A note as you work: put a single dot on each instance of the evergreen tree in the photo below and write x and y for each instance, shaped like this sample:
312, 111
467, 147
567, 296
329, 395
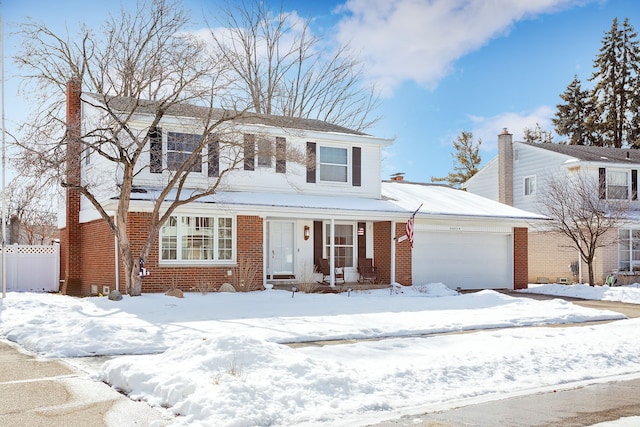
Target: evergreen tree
466, 160
576, 118
615, 77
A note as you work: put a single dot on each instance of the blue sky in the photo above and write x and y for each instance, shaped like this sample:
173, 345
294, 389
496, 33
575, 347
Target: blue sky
443, 66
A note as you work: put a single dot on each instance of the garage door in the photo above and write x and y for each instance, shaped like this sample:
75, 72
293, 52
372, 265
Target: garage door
469, 260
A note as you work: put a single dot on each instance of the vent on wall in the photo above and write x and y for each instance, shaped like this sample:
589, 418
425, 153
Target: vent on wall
94, 289
105, 290
562, 280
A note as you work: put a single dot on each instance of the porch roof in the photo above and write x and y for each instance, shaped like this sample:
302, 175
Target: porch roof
398, 199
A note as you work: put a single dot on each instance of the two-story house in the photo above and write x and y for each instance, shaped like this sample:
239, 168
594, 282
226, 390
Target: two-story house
283, 217
518, 177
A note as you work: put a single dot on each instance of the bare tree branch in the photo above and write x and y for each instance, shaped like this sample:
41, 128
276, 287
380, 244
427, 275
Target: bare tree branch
582, 212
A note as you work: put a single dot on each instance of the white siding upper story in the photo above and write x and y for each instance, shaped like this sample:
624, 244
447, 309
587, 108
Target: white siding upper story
533, 165
485, 182
346, 164
531, 169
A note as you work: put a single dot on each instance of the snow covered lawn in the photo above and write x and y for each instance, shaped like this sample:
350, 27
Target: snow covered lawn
218, 359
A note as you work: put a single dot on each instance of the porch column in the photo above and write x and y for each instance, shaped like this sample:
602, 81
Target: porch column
393, 243
332, 254
265, 253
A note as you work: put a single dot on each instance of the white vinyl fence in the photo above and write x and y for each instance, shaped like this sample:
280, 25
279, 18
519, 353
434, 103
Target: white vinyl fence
33, 268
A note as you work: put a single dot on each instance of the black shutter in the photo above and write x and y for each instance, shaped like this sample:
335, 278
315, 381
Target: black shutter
249, 151
634, 184
362, 240
317, 242
213, 154
155, 150
602, 180
281, 155
356, 167
311, 162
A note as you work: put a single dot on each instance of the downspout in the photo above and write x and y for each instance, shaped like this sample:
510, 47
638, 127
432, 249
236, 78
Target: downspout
117, 262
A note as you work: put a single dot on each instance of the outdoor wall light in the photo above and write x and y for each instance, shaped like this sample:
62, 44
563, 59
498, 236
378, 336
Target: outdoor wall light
307, 232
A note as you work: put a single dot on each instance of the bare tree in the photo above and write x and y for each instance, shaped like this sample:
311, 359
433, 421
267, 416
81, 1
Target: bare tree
282, 68
581, 211
141, 63
33, 205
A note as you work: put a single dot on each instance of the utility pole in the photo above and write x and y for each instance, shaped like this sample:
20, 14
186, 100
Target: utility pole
4, 167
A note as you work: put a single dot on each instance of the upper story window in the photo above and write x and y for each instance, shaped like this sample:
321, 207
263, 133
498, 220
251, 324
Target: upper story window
259, 151
530, 185
333, 164
264, 153
197, 238
179, 147
617, 184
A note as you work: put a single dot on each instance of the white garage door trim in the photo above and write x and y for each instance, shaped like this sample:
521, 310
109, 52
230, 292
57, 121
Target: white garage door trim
465, 259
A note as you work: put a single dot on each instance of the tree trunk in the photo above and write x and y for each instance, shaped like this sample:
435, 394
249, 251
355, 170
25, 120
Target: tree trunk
590, 268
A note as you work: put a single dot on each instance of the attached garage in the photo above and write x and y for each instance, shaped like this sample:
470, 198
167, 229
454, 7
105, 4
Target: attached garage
465, 257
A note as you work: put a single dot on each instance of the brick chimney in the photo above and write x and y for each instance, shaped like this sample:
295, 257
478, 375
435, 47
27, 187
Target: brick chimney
71, 244
505, 167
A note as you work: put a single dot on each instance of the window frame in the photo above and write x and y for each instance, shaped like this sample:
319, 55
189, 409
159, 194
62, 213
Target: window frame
627, 186
328, 164
326, 243
173, 166
216, 237
529, 185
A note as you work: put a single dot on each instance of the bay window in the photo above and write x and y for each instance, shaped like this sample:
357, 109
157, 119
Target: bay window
197, 238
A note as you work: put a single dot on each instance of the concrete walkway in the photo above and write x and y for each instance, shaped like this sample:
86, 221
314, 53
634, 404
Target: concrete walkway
49, 393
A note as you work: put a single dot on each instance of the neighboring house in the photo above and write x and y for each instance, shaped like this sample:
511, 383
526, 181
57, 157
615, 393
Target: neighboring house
517, 177
281, 217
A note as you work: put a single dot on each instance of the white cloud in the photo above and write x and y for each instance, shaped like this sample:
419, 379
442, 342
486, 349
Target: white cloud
488, 128
420, 40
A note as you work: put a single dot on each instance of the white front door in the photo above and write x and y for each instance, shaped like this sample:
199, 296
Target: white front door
281, 247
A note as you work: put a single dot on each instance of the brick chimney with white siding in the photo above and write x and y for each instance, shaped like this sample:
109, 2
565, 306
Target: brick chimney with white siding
505, 167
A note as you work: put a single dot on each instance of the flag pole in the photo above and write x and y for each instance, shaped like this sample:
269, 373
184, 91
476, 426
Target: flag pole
416, 211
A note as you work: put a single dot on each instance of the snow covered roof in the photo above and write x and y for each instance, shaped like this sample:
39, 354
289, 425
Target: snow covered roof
398, 199
441, 200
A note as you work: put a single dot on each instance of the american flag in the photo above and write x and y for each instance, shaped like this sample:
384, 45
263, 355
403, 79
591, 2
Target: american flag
409, 229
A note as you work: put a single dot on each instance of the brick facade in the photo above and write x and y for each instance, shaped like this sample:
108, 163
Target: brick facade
98, 266
382, 250
404, 272
551, 254
520, 258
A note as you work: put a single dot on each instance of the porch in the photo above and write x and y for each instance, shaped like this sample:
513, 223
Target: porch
323, 288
